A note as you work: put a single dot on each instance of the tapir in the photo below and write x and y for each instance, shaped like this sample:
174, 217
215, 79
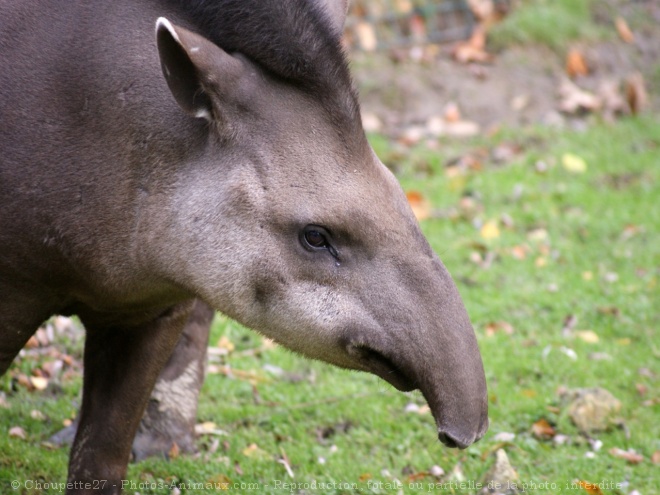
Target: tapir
221, 160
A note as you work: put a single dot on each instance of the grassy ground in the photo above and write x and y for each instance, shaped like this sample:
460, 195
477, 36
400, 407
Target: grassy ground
530, 242
552, 23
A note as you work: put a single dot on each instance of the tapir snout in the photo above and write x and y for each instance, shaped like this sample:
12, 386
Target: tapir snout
425, 341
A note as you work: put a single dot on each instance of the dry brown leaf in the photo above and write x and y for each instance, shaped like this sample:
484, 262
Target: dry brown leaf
474, 49
452, 113
636, 93
365, 476
624, 30
417, 476
32, 343
543, 430
629, 455
174, 451
590, 488
575, 63
421, 206
499, 326
573, 99
655, 457
418, 28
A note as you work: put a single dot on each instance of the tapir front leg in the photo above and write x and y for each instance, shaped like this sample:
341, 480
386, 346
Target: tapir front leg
171, 412
121, 367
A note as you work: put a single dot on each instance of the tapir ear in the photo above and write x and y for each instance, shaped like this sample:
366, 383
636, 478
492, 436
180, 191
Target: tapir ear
336, 10
196, 70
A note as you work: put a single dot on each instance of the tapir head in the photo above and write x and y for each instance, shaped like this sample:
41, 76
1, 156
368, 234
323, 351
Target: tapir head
288, 222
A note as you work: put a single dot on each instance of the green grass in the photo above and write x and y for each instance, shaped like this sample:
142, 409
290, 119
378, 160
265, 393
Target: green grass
336, 426
552, 23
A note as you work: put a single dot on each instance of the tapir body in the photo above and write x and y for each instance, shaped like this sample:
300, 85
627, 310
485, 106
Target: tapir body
221, 159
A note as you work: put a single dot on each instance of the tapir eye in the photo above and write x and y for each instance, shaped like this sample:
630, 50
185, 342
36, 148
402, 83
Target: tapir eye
314, 237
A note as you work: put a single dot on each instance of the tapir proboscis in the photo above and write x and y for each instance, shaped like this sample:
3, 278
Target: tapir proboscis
221, 160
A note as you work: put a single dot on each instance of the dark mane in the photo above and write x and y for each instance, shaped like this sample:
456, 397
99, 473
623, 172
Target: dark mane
292, 39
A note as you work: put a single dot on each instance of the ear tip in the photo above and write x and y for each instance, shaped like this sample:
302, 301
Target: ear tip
164, 23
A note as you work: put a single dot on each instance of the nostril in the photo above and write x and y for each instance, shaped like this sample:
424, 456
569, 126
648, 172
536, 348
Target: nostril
447, 440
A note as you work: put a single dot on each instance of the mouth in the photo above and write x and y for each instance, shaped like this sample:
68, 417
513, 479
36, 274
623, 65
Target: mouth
380, 365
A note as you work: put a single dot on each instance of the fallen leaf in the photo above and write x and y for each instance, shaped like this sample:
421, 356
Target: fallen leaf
38, 415
588, 336
421, 206
540, 262
655, 457
417, 476
590, 488
490, 230
573, 99
417, 28
225, 343
636, 93
519, 252
624, 30
452, 113
498, 326
473, 50
221, 480
629, 455
612, 101
371, 122
208, 428
251, 450
404, 6
365, 476
174, 451
573, 163
575, 63
39, 382
543, 430
366, 36
537, 235
17, 432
